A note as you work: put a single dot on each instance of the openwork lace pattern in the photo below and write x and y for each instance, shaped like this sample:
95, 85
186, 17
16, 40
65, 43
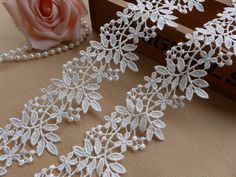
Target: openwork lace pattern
77, 91
140, 121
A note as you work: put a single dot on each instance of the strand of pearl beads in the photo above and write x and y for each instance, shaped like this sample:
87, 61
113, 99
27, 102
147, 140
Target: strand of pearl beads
23, 53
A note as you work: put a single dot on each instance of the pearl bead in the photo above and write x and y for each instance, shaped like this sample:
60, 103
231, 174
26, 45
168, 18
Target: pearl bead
99, 133
24, 48
45, 54
31, 56
38, 55
77, 43
4, 56
17, 57
11, 52
24, 57
143, 146
71, 45
52, 52
135, 148
18, 50
70, 119
81, 39
65, 48
229, 62
58, 50
221, 64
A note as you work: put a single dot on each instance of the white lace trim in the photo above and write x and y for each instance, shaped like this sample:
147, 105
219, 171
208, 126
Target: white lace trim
34, 131
130, 126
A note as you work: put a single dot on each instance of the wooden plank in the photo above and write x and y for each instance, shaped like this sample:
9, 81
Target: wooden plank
120, 3
226, 2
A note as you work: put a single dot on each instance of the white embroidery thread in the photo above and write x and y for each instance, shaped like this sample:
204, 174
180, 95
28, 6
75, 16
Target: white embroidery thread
35, 131
140, 120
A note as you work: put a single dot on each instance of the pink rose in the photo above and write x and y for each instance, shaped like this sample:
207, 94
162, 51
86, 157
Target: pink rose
46, 23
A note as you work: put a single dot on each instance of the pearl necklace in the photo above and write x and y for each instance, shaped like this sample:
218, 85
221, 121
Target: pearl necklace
25, 52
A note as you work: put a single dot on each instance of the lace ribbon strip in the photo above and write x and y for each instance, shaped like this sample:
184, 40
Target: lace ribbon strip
131, 126
77, 91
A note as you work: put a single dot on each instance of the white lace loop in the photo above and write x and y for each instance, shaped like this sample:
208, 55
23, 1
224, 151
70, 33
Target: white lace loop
130, 126
35, 131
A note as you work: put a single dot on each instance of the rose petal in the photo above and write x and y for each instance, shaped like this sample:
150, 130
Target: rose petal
45, 28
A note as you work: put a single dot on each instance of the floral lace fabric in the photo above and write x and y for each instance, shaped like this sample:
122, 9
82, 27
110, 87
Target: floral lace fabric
140, 120
77, 91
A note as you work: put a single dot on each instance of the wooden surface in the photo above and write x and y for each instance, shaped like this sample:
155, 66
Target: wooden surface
200, 139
